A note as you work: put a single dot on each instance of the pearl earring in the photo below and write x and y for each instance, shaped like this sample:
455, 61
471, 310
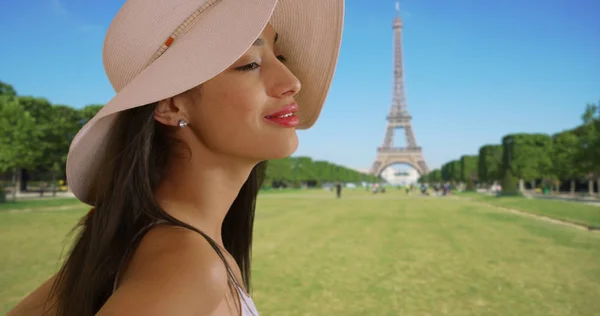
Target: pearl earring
183, 123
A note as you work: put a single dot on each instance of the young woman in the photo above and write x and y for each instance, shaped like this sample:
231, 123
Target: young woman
207, 91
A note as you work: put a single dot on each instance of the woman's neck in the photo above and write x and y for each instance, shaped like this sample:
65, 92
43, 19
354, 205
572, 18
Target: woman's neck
200, 192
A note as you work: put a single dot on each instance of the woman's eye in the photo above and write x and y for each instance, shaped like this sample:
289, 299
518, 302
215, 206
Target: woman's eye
250, 66
254, 65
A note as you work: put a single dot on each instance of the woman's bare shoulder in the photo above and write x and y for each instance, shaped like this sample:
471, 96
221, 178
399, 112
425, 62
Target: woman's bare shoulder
174, 271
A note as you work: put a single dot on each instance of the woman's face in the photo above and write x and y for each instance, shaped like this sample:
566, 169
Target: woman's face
236, 112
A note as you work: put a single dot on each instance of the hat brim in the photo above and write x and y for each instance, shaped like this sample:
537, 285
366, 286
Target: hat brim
309, 36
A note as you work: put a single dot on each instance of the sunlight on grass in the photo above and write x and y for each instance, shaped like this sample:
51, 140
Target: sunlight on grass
364, 254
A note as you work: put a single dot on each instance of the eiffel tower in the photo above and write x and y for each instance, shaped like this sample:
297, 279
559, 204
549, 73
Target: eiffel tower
399, 118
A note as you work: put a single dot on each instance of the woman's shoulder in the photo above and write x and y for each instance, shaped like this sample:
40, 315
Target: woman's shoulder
173, 271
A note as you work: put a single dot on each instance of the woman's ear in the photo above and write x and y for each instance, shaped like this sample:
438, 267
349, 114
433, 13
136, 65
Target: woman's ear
168, 113
172, 110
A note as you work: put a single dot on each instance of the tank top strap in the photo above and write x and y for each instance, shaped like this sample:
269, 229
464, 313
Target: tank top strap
248, 306
130, 248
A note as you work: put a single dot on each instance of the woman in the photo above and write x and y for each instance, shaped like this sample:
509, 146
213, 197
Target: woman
206, 92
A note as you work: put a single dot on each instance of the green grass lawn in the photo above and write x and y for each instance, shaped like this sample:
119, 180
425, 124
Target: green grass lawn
386, 254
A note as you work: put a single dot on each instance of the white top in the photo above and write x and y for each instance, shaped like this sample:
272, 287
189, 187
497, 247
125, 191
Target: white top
248, 307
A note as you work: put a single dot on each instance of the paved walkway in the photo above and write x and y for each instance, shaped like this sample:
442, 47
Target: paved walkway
36, 195
561, 197
44, 209
531, 215
566, 198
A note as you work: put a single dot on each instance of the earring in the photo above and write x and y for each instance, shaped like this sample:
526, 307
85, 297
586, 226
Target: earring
182, 123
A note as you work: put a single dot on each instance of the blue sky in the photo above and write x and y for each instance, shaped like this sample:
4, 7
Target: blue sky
475, 70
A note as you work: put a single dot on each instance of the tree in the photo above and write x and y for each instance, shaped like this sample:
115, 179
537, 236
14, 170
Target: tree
321, 170
434, 176
444, 171
468, 170
490, 163
279, 170
88, 112
296, 170
19, 138
7, 90
65, 123
303, 169
565, 151
528, 156
572, 154
57, 125
455, 171
589, 155
40, 111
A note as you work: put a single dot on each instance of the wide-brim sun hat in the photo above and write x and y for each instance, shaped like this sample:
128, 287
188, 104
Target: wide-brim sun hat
156, 49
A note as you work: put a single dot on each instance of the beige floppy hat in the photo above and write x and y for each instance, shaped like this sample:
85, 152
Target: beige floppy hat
156, 49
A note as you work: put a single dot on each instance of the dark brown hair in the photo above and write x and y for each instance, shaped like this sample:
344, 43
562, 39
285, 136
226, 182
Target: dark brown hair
137, 157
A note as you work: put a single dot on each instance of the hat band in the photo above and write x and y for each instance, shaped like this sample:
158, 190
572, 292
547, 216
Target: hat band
183, 27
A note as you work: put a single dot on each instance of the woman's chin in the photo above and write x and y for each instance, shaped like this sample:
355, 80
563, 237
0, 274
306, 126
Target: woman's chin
282, 148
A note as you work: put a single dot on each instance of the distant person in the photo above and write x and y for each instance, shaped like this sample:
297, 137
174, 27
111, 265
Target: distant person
446, 188
172, 164
338, 190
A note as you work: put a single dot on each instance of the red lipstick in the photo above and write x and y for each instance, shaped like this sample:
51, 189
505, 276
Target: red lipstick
285, 117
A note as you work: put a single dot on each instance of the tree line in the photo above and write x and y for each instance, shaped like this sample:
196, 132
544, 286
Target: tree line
297, 171
35, 135
534, 160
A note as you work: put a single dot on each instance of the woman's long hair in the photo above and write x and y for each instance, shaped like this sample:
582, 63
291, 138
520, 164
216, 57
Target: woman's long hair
138, 153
